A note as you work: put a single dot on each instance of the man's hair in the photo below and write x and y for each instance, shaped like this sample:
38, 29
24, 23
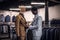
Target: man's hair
33, 9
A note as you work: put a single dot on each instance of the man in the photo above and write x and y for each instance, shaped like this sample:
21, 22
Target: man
20, 26
36, 25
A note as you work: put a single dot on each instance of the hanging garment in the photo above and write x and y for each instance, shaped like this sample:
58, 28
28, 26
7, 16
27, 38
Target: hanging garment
43, 34
1, 29
7, 18
59, 33
48, 34
13, 19
52, 32
5, 29
57, 30
2, 19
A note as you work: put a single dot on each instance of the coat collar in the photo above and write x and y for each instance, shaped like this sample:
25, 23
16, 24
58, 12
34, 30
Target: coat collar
35, 17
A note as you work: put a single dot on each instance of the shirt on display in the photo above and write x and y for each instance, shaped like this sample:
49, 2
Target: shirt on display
1, 18
13, 19
7, 18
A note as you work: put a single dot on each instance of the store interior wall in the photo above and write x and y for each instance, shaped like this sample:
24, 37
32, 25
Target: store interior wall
54, 13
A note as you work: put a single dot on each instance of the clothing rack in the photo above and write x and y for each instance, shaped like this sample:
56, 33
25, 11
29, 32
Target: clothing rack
50, 33
5, 24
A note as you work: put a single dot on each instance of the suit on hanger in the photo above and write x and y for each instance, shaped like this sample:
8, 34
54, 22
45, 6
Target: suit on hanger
2, 18
7, 18
43, 34
57, 30
13, 19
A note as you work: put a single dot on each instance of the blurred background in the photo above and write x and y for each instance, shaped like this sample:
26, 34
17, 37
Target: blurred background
49, 10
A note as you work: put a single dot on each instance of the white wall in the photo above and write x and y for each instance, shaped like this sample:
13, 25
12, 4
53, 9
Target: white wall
41, 12
29, 16
54, 12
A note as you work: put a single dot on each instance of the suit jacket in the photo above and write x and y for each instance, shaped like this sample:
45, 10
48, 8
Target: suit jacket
20, 25
43, 34
13, 19
2, 18
7, 18
37, 26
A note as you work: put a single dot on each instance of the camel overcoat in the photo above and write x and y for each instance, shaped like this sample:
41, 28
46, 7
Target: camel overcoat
20, 25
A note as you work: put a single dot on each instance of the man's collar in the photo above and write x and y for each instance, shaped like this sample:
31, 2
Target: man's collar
36, 15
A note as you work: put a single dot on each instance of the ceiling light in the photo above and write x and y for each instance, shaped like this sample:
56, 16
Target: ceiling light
39, 3
14, 9
26, 6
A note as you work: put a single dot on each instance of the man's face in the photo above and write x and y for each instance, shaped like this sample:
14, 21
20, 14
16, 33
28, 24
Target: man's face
21, 13
34, 12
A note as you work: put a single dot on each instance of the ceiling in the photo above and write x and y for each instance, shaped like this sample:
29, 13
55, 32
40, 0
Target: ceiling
6, 4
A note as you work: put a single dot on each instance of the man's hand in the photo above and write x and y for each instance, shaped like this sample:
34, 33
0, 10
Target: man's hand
33, 27
26, 26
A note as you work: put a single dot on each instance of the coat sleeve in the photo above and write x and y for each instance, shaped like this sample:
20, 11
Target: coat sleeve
39, 24
17, 25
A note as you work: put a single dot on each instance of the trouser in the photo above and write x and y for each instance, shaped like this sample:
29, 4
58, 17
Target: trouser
20, 38
36, 38
29, 34
26, 33
32, 37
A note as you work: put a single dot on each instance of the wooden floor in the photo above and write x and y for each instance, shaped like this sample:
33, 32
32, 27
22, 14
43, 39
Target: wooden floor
5, 39
5, 35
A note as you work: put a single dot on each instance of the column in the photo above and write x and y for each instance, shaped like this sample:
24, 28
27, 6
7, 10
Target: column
46, 13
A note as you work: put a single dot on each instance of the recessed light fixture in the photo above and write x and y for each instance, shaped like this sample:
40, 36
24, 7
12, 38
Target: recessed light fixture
39, 3
14, 9
26, 6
